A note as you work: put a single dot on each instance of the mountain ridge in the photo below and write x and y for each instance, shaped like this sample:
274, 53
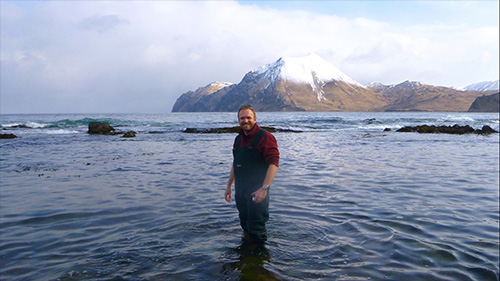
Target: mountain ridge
483, 86
312, 84
417, 96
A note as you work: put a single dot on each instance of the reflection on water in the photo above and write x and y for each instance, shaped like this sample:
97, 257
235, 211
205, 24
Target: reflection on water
247, 262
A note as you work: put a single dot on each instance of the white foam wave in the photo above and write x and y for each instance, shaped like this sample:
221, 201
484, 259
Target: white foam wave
35, 125
60, 132
9, 125
452, 118
29, 124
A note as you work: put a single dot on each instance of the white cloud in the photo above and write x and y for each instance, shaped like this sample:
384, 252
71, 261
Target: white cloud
93, 56
156, 54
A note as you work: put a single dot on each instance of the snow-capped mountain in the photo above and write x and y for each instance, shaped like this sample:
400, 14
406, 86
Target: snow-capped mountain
307, 83
483, 86
311, 83
309, 69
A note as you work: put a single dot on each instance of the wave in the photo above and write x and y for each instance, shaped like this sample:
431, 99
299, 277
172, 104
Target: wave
453, 118
61, 132
64, 123
84, 122
307, 122
27, 125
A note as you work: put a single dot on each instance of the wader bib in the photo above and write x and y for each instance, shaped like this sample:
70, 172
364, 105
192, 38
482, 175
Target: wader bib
250, 171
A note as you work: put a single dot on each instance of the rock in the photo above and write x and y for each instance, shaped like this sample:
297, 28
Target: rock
486, 130
387, 129
235, 129
7, 136
21, 126
455, 129
99, 128
213, 130
372, 121
407, 129
129, 134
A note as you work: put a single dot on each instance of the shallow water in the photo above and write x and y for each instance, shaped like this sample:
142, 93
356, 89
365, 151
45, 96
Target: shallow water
349, 202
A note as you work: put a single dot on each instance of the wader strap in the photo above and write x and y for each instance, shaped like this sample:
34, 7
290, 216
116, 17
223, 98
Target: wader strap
255, 140
257, 137
238, 141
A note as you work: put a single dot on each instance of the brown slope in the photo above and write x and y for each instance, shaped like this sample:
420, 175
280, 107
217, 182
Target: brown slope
417, 96
282, 95
195, 101
334, 96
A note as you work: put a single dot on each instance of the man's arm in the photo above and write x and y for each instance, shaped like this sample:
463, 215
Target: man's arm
227, 194
261, 193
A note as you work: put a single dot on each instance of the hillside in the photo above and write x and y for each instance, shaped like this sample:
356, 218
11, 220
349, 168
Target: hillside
486, 103
416, 96
312, 84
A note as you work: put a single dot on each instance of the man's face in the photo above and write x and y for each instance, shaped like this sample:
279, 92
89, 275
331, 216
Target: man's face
247, 119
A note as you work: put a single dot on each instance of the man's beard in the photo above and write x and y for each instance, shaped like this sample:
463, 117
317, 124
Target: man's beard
247, 125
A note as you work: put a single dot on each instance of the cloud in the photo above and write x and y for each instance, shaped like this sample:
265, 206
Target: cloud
96, 56
102, 24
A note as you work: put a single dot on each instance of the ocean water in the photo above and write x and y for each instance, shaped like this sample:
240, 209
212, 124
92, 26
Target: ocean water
349, 201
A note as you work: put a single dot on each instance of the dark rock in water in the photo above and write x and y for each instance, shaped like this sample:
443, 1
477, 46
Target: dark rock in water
235, 129
455, 129
7, 136
99, 128
129, 134
407, 129
387, 129
372, 121
21, 126
212, 130
486, 130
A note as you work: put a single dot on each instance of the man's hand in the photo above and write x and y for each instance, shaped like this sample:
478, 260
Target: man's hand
259, 195
227, 194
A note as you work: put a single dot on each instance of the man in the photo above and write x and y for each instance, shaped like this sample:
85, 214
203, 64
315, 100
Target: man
256, 160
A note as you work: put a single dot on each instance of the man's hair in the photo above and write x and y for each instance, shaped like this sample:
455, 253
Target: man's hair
243, 107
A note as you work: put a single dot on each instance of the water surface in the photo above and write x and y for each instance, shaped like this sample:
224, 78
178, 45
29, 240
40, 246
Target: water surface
349, 202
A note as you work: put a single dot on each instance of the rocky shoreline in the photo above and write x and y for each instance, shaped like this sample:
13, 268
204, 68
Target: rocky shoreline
234, 129
102, 128
455, 130
423, 129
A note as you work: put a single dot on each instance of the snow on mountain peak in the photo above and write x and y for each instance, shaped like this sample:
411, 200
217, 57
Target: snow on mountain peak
306, 69
303, 69
221, 84
483, 86
213, 87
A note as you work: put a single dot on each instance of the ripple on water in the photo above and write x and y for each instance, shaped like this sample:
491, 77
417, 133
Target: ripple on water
343, 207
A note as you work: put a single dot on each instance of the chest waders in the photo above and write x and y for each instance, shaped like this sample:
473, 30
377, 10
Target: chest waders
250, 170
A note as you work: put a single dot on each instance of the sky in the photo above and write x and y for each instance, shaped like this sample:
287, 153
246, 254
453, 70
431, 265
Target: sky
140, 56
